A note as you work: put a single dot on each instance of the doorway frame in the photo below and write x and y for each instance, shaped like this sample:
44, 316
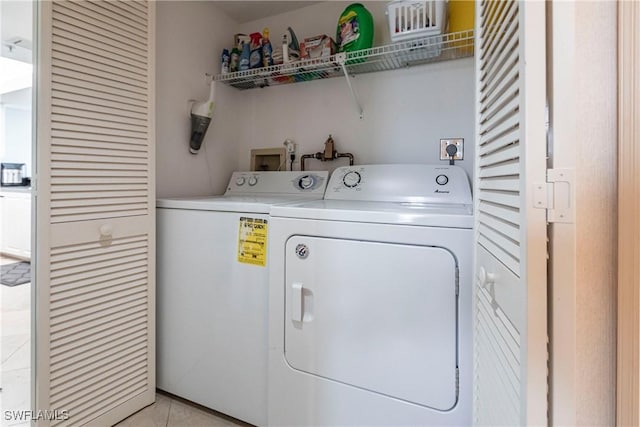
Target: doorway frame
628, 365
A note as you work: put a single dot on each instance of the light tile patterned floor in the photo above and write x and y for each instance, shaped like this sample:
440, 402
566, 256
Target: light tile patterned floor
172, 412
15, 348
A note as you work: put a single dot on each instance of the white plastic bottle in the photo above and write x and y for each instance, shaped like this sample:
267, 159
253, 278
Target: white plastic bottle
285, 48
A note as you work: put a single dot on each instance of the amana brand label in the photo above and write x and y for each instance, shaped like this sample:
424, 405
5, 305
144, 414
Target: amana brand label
252, 241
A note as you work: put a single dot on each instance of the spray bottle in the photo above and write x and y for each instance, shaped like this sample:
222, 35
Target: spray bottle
285, 48
201, 113
290, 46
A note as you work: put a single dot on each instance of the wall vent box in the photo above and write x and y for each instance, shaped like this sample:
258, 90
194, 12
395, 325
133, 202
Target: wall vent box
268, 159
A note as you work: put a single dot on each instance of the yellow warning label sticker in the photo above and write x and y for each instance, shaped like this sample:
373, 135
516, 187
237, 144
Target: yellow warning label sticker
252, 241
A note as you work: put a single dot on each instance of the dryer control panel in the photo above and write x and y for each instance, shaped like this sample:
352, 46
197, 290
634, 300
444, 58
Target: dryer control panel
404, 183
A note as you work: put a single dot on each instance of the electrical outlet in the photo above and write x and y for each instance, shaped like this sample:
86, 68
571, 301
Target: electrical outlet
444, 143
291, 146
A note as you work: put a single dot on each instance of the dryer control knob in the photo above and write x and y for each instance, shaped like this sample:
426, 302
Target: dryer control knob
240, 180
351, 179
253, 181
306, 182
442, 179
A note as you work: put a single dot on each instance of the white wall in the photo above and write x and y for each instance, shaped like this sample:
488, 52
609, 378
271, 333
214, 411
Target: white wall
406, 112
190, 38
16, 23
596, 228
583, 258
15, 128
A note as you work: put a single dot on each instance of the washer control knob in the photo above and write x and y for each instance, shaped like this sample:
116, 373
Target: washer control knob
240, 180
306, 182
253, 180
442, 179
351, 179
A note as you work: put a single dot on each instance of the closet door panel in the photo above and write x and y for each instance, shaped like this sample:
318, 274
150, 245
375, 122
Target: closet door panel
510, 312
95, 197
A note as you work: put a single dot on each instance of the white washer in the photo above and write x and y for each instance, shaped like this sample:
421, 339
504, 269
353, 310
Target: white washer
370, 300
212, 291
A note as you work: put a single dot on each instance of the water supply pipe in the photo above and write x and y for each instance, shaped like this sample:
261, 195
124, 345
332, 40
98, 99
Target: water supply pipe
328, 154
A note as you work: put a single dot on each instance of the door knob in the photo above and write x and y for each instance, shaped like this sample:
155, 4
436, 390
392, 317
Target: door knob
486, 278
106, 230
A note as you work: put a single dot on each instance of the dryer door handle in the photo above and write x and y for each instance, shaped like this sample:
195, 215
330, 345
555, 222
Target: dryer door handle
301, 303
297, 307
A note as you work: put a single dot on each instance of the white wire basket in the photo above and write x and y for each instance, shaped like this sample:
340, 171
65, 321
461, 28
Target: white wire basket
409, 19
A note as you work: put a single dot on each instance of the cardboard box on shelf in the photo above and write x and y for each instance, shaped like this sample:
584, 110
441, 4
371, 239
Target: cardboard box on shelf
239, 40
317, 47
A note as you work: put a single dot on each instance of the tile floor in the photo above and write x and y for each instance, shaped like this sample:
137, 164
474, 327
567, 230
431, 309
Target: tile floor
15, 348
174, 412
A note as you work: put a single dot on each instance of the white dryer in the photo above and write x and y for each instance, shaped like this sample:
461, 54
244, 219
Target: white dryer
212, 290
370, 301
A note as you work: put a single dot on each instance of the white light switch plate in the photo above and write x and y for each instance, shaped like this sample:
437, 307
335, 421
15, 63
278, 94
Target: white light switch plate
444, 143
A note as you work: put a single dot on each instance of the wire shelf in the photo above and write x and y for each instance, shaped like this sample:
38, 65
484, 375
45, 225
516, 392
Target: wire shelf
383, 58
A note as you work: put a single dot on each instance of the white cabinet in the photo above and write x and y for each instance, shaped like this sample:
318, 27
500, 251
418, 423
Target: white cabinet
15, 220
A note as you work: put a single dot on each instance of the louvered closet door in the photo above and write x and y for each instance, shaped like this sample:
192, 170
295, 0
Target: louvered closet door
510, 328
95, 211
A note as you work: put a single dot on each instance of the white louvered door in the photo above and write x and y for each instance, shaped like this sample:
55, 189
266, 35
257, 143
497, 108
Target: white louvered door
95, 205
510, 289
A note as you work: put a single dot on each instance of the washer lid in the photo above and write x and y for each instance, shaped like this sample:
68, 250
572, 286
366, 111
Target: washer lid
249, 204
422, 214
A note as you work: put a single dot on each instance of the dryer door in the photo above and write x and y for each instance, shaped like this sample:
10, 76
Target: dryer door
377, 316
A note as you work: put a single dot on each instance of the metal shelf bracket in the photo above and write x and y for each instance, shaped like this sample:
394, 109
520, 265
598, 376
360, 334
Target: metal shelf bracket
341, 58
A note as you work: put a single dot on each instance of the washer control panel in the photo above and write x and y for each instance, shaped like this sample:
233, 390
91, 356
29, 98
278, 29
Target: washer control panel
307, 182
285, 182
408, 183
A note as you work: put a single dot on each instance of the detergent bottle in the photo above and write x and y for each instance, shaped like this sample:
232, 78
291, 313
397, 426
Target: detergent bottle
243, 65
355, 29
255, 58
226, 57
